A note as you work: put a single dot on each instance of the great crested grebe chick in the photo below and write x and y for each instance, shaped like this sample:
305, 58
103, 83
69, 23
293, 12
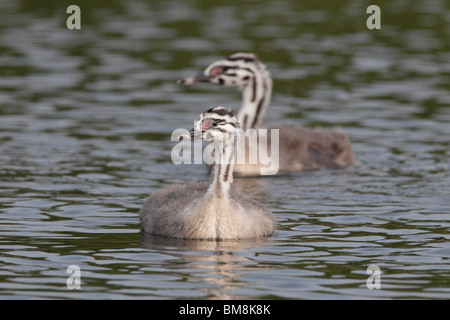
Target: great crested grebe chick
208, 210
300, 149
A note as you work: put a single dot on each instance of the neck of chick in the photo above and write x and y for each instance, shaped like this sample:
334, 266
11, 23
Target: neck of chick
224, 158
255, 99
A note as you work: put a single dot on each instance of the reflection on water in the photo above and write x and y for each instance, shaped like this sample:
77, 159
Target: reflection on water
85, 123
217, 264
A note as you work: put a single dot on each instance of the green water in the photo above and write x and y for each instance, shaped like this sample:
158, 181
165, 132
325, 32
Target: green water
85, 123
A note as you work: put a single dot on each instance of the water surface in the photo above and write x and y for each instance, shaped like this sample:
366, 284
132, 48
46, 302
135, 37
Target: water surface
85, 123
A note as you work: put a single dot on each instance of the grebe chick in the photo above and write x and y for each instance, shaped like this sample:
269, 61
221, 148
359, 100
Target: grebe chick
208, 211
300, 149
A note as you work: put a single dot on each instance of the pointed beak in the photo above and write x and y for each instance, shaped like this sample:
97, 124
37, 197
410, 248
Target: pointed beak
191, 134
191, 80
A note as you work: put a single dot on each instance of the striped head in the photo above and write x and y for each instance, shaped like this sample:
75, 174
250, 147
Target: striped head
238, 70
215, 124
245, 72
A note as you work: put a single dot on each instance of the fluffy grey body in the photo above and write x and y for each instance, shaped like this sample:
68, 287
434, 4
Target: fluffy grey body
211, 210
184, 211
311, 149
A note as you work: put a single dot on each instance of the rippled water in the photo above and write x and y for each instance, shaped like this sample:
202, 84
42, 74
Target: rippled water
85, 123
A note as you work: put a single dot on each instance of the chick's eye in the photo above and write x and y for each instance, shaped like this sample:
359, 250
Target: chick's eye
214, 124
216, 71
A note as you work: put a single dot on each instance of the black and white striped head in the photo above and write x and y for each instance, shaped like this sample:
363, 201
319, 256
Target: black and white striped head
213, 124
238, 70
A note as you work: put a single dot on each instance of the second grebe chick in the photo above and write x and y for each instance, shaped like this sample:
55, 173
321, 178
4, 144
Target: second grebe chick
300, 149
